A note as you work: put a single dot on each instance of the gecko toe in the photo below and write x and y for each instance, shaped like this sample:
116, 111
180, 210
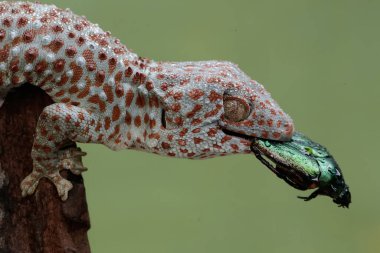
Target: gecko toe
29, 184
71, 159
62, 185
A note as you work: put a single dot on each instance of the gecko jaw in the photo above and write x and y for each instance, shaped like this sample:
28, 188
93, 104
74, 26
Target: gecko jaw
238, 135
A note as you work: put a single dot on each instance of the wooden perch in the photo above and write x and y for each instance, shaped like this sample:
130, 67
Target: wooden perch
41, 222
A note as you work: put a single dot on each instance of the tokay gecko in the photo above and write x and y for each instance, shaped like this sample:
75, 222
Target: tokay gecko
106, 94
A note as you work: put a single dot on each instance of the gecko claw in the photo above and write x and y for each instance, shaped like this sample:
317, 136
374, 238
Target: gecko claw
71, 159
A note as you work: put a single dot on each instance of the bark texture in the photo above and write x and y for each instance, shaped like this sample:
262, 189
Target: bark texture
41, 222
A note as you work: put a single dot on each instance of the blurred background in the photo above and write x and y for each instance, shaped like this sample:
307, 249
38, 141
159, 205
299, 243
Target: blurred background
320, 61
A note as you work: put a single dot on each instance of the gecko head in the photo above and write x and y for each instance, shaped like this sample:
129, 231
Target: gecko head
213, 108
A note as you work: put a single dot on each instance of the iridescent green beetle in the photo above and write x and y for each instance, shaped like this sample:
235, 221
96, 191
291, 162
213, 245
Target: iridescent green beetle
304, 165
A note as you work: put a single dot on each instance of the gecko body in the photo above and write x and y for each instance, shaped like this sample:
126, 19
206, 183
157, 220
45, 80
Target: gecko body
106, 94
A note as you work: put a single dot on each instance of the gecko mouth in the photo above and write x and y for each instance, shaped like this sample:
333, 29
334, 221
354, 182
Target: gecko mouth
242, 136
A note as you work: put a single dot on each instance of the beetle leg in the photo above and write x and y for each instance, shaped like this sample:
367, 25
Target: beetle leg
313, 195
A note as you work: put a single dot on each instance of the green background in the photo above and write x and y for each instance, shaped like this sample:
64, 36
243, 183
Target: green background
320, 61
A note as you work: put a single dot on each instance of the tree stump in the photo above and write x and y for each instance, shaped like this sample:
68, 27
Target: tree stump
41, 222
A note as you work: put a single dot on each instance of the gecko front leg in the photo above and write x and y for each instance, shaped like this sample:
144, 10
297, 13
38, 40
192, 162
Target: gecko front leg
57, 124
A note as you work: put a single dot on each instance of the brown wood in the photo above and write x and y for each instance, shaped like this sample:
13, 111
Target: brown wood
41, 222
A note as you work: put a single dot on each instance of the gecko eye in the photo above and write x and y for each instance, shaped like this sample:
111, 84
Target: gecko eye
235, 109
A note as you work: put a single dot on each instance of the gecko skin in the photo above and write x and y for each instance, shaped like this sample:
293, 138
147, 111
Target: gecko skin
106, 94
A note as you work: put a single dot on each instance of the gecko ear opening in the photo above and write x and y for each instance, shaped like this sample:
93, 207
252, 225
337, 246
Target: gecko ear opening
163, 118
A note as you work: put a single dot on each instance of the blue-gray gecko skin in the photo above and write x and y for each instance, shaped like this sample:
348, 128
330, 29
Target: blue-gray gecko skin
106, 94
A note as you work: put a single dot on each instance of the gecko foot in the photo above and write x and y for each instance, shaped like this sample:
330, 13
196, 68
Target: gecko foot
69, 158
30, 183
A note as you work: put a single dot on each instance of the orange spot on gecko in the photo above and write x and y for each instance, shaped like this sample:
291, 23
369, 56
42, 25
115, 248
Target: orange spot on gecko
182, 142
118, 77
115, 113
152, 123
197, 140
137, 121
146, 118
30, 54
128, 72
59, 65
28, 36
41, 67
196, 94
71, 51
112, 65
140, 100
99, 78
55, 45
77, 72
119, 90
59, 93
196, 108
196, 122
226, 138
108, 91
165, 145
129, 97
183, 132
95, 99
212, 132
276, 135
107, 123
22, 21
214, 96
73, 89
86, 89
